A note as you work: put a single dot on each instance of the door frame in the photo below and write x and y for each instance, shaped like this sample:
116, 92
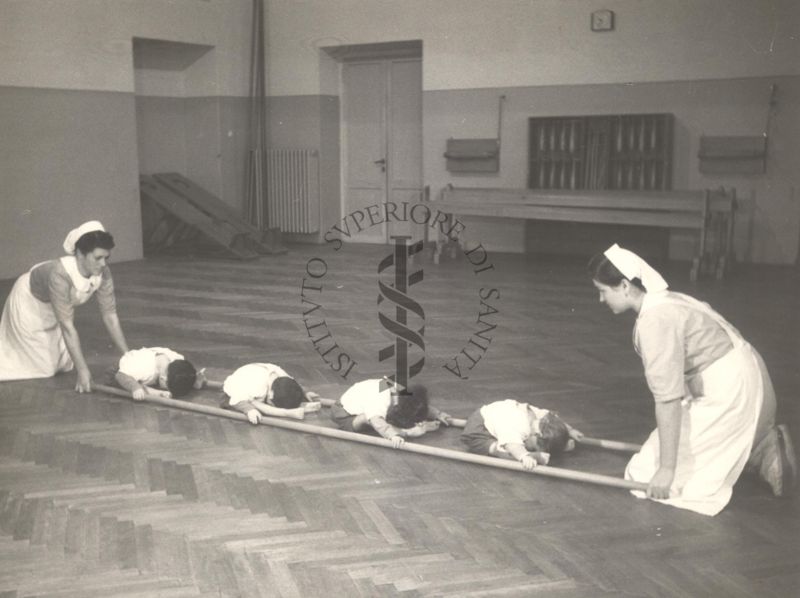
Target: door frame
372, 52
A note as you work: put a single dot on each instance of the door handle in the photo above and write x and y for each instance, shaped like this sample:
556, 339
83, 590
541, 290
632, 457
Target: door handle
382, 162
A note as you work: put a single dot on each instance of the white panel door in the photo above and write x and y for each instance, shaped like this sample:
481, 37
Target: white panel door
405, 140
382, 121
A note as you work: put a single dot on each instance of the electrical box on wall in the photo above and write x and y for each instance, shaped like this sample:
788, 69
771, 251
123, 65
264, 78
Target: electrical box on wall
473, 155
602, 20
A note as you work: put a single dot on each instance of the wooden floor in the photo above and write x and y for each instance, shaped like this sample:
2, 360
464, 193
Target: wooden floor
102, 497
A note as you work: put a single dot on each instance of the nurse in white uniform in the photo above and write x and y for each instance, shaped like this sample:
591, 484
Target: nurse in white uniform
38, 337
714, 401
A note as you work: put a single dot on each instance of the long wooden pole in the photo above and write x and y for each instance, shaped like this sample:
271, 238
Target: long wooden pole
613, 445
422, 449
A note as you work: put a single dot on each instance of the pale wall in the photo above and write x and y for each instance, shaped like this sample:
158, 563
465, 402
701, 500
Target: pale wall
769, 217
87, 44
544, 57
508, 43
68, 151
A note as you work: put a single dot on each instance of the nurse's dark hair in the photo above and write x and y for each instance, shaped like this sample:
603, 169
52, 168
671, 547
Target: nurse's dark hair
90, 241
604, 271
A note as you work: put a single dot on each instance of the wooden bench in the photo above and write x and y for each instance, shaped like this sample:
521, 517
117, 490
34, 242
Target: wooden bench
708, 212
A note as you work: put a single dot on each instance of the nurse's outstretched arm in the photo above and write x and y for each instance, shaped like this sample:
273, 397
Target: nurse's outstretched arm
73, 342
668, 419
111, 320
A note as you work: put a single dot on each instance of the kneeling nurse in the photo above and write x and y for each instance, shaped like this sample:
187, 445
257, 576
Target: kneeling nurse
38, 337
714, 401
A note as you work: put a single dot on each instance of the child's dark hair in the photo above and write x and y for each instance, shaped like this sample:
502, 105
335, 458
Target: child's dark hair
287, 393
553, 434
180, 377
410, 408
90, 241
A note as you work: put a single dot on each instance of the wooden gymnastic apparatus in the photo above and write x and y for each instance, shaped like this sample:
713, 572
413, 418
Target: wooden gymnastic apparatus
709, 213
422, 449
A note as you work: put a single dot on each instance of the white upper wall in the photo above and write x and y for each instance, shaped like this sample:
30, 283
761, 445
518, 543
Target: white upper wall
88, 44
507, 43
197, 79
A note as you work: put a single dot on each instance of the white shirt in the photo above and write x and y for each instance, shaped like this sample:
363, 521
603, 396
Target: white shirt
510, 421
371, 398
252, 382
140, 364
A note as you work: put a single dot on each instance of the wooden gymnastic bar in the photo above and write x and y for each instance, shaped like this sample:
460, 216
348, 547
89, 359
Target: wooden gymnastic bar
666, 209
613, 445
422, 449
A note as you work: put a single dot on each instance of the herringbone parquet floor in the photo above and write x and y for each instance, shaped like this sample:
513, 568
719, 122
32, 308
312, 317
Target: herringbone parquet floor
103, 497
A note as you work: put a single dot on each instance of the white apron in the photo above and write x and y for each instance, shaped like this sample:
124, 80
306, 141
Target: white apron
31, 342
718, 425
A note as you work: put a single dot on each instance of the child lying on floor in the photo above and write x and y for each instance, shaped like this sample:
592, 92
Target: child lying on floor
513, 430
367, 406
258, 389
140, 370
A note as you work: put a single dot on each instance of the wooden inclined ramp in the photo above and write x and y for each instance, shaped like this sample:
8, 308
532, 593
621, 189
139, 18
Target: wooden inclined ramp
265, 242
202, 212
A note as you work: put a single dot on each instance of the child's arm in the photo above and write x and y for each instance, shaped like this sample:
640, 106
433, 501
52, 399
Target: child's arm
254, 409
574, 432
266, 409
518, 452
312, 402
439, 415
396, 435
138, 390
200, 379
574, 436
310, 406
249, 409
